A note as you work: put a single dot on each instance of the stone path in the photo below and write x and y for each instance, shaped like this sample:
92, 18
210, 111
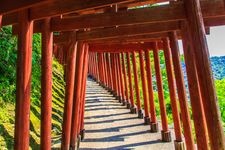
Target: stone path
110, 126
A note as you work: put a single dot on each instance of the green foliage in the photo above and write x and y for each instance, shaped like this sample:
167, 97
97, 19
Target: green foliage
8, 50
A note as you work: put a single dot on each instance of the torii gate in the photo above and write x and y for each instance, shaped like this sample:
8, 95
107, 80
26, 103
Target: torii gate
188, 17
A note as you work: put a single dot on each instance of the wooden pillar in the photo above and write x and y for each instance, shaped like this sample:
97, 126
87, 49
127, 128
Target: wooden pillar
154, 124
96, 67
118, 77
144, 87
131, 98
121, 78
83, 92
0, 21
140, 113
206, 81
77, 95
46, 85
183, 102
125, 80
23, 82
114, 74
69, 93
194, 90
165, 130
109, 71
104, 68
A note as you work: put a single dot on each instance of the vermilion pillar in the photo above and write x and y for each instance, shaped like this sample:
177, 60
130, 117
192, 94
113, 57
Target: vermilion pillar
105, 70
144, 87
121, 79
109, 72
0, 21
77, 95
125, 80
194, 90
173, 99
69, 92
46, 85
165, 130
23, 82
154, 124
140, 113
83, 92
114, 74
96, 67
205, 77
118, 77
131, 104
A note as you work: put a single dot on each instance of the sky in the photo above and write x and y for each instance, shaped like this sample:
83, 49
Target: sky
216, 41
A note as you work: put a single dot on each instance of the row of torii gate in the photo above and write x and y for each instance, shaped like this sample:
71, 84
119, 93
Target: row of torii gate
97, 38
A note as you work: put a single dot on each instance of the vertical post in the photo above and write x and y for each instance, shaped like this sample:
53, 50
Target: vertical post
114, 74
23, 82
206, 82
131, 104
83, 92
46, 85
144, 87
104, 70
121, 78
194, 90
109, 70
77, 96
69, 91
183, 102
153, 124
125, 80
118, 77
140, 113
166, 136
0, 21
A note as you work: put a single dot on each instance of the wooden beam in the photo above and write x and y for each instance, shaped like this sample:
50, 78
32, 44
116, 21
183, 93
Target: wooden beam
0, 21
136, 38
127, 31
59, 7
123, 47
7, 6
164, 13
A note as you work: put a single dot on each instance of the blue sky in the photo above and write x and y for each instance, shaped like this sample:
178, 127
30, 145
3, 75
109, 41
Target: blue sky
216, 41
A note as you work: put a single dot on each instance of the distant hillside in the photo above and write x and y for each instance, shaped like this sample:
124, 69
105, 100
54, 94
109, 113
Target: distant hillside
218, 67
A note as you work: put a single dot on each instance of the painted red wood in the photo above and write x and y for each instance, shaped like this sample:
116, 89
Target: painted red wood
136, 81
131, 98
206, 82
77, 94
119, 92
194, 90
160, 88
46, 85
23, 82
144, 86
83, 89
150, 87
121, 77
125, 77
0, 21
69, 93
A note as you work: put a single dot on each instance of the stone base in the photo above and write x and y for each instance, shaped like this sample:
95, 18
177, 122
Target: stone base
120, 99
133, 110
140, 114
179, 145
147, 120
166, 136
154, 127
124, 103
82, 134
128, 105
77, 144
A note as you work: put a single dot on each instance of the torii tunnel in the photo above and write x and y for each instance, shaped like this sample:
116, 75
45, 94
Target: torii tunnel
102, 40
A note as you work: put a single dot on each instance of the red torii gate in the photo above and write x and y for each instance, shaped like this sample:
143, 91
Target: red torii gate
189, 21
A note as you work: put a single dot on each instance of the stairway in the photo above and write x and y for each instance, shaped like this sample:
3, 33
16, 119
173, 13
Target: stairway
109, 125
